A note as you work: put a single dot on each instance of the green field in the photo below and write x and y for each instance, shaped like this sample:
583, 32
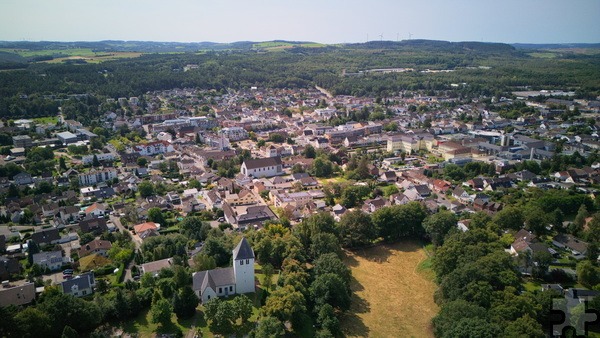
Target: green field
543, 55
61, 55
278, 45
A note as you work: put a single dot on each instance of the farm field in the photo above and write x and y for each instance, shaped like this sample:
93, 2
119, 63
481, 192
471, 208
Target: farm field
393, 292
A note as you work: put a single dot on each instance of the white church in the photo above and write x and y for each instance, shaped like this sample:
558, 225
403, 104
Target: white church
227, 281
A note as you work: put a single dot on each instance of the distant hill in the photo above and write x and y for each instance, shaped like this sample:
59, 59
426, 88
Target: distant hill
555, 45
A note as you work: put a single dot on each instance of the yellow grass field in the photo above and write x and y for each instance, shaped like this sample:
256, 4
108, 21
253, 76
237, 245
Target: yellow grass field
393, 292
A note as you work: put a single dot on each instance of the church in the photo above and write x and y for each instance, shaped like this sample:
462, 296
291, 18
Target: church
227, 281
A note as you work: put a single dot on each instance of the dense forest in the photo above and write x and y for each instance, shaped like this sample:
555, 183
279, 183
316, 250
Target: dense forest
485, 69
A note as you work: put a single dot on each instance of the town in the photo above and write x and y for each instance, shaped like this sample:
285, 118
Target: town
203, 194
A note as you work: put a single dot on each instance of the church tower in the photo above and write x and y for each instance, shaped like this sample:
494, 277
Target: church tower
243, 267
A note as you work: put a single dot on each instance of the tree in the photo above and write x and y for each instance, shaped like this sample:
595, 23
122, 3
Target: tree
146, 189
203, 262
141, 161
509, 218
438, 225
454, 311
331, 263
309, 152
185, 302
268, 271
327, 320
269, 327
161, 312
155, 215
193, 227
322, 167
524, 327
356, 229
215, 248
323, 243
582, 214
536, 221
543, 259
285, 303
330, 288
95, 161
221, 315
69, 332
62, 164
32, 322
242, 306
400, 221
587, 274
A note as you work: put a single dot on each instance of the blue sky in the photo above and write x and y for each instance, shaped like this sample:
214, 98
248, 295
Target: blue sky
326, 21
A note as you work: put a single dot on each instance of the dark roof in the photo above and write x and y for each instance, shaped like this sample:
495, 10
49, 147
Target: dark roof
262, 162
45, 236
213, 278
83, 281
93, 224
17, 295
243, 250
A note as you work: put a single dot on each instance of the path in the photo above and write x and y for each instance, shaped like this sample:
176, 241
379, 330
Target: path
324, 91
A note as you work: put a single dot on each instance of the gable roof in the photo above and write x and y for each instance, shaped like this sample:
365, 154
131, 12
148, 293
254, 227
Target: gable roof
17, 295
45, 236
144, 227
83, 281
213, 278
262, 162
243, 250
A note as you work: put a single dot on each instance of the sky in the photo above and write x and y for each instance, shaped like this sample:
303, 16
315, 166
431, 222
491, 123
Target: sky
325, 21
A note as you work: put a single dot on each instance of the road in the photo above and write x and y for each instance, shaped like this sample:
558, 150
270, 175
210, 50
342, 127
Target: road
136, 241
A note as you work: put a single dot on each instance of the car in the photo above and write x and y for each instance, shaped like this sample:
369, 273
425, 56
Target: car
221, 219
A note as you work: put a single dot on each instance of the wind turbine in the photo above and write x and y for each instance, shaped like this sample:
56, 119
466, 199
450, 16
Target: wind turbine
381, 36
410, 35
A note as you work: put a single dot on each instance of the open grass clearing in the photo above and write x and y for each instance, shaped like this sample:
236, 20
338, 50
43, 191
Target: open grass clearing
393, 292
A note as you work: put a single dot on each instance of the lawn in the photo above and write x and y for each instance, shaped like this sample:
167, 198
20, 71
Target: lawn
143, 327
393, 292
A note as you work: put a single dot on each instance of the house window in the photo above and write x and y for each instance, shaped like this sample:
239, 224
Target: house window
220, 290
247, 261
242, 262
84, 292
208, 297
231, 289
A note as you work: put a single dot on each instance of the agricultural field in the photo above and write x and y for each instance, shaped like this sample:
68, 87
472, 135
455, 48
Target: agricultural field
279, 45
391, 283
70, 54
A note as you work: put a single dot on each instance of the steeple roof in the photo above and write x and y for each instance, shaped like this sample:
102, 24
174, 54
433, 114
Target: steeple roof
243, 250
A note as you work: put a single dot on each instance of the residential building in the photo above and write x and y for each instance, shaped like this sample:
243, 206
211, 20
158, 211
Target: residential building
53, 260
79, 286
262, 167
17, 295
94, 177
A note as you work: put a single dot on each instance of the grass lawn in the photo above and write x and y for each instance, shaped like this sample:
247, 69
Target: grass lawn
46, 120
393, 292
143, 327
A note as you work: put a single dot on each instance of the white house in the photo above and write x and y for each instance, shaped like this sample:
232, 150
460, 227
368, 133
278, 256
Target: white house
228, 281
79, 286
153, 148
262, 167
89, 159
52, 260
96, 176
